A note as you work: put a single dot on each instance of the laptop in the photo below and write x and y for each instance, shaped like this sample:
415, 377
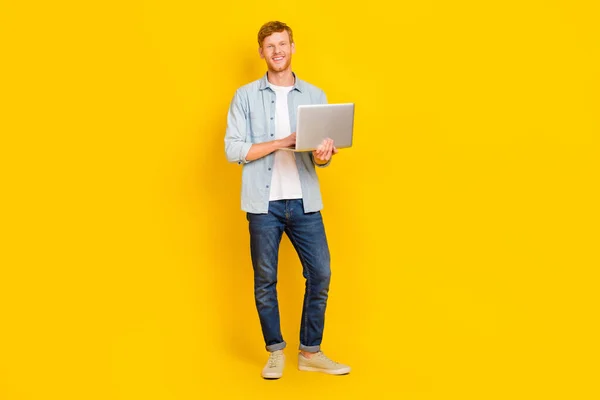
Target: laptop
317, 122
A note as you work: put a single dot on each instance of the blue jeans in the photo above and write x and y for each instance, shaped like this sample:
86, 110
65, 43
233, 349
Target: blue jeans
307, 234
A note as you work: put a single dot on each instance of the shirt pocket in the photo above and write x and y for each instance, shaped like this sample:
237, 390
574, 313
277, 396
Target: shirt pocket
258, 128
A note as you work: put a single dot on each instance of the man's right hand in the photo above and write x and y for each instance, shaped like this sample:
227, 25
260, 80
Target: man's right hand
289, 141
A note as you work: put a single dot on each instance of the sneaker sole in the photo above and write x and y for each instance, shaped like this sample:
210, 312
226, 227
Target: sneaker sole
341, 371
272, 377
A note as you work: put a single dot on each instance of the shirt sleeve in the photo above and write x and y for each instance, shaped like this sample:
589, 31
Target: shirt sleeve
236, 147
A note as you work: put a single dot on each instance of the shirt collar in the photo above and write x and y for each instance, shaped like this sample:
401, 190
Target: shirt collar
298, 84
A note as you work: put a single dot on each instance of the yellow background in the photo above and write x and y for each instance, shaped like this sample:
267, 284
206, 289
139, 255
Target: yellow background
463, 224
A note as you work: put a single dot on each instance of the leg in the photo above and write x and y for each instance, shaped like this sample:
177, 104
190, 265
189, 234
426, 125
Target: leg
266, 231
307, 234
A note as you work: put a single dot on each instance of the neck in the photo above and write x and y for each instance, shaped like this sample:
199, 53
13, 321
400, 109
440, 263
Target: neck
282, 78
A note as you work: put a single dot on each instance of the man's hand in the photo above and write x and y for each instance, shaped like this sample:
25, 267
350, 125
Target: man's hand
288, 141
259, 150
324, 152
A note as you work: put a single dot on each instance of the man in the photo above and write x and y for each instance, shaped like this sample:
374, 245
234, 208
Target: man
280, 193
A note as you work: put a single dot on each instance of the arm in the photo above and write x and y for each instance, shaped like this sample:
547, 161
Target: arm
236, 147
262, 149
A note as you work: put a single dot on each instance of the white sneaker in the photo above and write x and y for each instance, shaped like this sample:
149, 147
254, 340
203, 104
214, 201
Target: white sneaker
321, 363
274, 367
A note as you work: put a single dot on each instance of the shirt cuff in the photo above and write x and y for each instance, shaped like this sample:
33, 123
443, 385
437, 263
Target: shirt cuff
244, 152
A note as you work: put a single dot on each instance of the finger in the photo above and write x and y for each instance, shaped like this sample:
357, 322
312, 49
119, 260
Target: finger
324, 147
329, 150
329, 153
318, 153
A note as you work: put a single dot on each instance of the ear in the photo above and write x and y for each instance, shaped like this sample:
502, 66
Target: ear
260, 52
293, 48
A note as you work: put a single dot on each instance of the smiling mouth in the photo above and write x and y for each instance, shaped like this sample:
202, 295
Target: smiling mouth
276, 59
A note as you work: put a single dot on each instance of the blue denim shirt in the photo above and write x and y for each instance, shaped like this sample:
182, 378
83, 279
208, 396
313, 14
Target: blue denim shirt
251, 119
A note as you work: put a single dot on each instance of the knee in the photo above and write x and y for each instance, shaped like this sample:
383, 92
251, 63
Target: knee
322, 277
265, 280
265, 290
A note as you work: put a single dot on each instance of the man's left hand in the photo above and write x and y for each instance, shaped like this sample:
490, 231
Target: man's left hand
325, 151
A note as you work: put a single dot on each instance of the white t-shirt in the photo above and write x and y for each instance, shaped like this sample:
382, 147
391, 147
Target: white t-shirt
285, 181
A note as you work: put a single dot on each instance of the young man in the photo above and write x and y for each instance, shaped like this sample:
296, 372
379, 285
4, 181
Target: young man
280, 193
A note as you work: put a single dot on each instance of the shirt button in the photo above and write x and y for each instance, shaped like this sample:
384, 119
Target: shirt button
272, 101
271, 118
269, 170
267, 186
271, 134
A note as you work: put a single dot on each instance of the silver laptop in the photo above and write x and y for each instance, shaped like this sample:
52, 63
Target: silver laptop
317, 122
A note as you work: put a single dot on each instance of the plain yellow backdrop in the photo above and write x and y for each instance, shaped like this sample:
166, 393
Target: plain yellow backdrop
463, 224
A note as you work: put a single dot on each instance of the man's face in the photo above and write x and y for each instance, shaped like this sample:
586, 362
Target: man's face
277, 51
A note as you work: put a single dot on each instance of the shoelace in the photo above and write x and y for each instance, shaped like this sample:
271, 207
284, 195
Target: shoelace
327, 359
274, 359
